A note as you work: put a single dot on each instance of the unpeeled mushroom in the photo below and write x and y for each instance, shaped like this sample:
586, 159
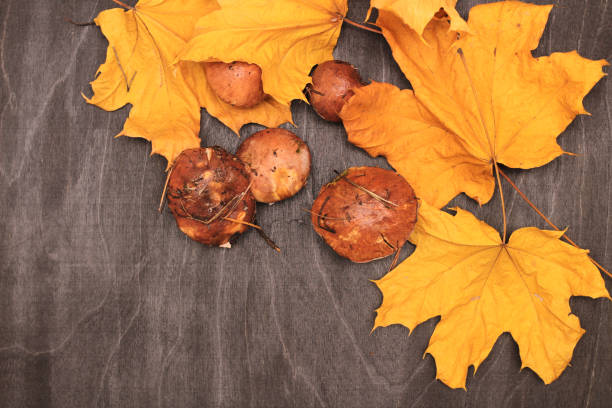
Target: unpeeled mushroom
209, 195
278, 161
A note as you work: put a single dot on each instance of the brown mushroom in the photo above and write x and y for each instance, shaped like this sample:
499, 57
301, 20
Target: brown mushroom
366, 213
278, 161
237, 83
209, 195
331, 86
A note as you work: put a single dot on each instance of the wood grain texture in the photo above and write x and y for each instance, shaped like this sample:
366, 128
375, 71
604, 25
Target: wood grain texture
105, 303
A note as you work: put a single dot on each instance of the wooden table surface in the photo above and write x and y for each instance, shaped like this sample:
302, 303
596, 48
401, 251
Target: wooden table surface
105, 303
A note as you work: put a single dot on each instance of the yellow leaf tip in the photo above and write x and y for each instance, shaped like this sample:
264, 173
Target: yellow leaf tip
88, 100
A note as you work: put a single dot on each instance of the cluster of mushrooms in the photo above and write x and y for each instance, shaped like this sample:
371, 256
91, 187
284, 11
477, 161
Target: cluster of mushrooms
366, 213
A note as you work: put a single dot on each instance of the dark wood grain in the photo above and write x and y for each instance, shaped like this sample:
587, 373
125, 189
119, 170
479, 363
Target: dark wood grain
105, 303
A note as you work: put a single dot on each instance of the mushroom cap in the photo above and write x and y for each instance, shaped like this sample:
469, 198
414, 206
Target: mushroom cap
358, 226
237, 83
206, 185
331, 86
278, 161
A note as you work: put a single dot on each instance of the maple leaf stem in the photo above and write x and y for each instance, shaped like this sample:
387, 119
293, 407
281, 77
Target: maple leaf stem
491, 143
501, 194
122, 4
548, 221
532, 205
362, 26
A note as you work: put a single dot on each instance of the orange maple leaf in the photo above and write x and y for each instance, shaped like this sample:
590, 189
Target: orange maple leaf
416, 14
286, 38
482, 288
480, 98
144, 41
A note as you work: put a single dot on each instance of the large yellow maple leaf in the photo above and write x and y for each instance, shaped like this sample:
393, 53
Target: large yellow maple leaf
144, 41
286, 38
482, 288
384, 120
417, 13
483, 98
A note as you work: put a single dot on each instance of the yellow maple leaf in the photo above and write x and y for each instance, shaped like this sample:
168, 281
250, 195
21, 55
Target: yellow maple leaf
482, 288
144, 41
488, 97
268, 112
284, 37
417, 13
384, 120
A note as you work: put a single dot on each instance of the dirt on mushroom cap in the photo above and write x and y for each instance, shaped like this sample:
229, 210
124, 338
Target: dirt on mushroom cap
331, 86
366, 213
279, 163
237, 83
207, 187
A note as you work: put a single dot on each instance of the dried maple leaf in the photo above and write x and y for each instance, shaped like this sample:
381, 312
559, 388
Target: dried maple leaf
387, 121
284, 37
482, 288
269, 112
483, 99
144, 41
417, 13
